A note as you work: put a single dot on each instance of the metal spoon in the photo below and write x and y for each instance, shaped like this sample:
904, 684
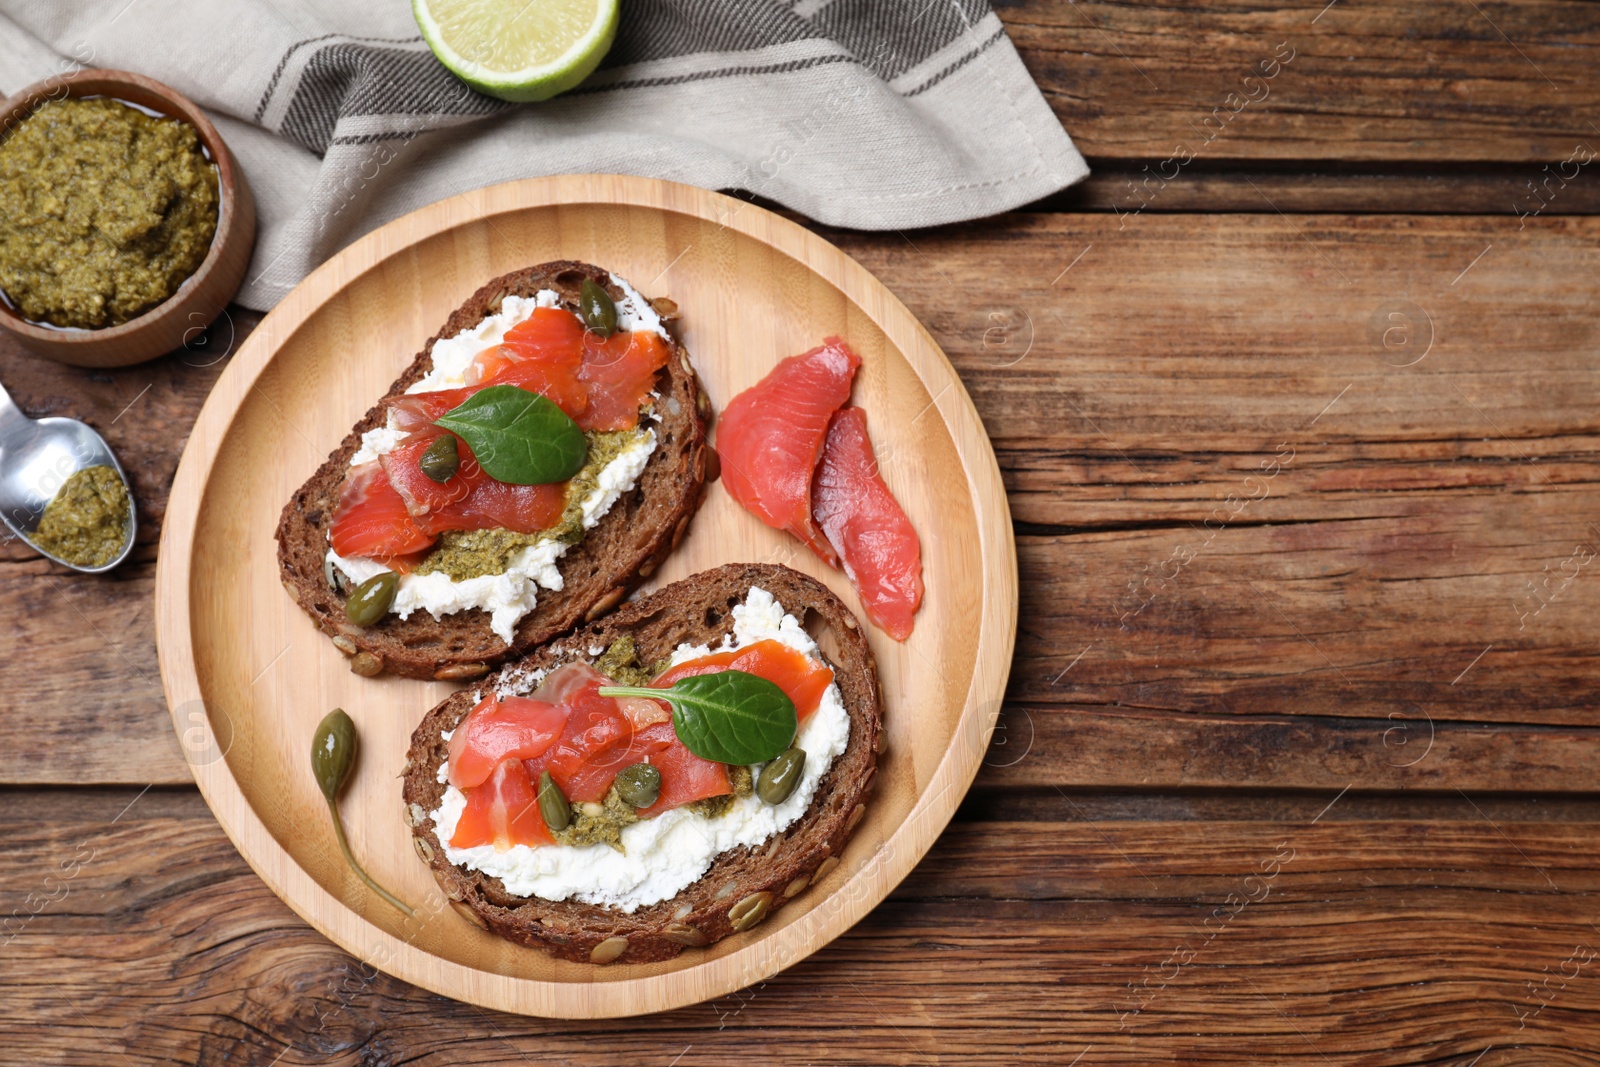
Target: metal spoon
36, 458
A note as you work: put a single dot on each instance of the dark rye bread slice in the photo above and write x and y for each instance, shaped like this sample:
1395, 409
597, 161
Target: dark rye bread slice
621, 550
743, 885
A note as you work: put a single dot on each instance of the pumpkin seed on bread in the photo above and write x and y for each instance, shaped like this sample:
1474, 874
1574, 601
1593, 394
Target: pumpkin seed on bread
612, 558
744, 885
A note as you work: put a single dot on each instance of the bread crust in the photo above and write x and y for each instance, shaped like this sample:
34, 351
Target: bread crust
616, 555
697, 610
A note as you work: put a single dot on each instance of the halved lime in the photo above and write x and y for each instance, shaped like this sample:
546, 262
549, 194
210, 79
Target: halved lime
518, 49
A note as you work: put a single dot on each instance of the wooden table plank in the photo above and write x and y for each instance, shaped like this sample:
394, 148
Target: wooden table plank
1411, 81
1096, 746
1322, 186
1192, 934
1341, 611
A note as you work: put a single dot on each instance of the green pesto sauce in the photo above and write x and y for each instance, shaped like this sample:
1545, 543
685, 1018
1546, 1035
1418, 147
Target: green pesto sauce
604, 446
104, 211
464, 554
86, 522
743, 785
620, 663
594, 824
603, 823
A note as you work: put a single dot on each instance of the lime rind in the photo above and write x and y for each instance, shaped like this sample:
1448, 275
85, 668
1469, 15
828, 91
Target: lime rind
539, 82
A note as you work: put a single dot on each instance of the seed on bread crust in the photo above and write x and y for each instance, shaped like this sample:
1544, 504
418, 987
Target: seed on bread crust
739, 880
461, 672
607, 602
749, 911
608, 950
684, 934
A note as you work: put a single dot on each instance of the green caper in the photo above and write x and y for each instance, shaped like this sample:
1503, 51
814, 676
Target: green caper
333, 753
781, 775
371, 599
440, 460
639, 785
553, 803
596, 308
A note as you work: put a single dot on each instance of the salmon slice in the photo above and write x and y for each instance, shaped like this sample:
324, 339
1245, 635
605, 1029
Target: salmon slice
619, 373
770, 437
600, 384
504, 811
499, 729
423, 495
867, 527
418, 411
371, 519
550, 337
542, 354
583, 740
802, 678
685, 777
469, 499
595, 742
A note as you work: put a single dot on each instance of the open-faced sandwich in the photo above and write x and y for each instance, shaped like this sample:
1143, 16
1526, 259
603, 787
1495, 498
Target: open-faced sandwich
540, 456
662, 778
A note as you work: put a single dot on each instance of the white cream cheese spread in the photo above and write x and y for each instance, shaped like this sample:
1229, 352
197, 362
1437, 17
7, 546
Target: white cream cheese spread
662, 855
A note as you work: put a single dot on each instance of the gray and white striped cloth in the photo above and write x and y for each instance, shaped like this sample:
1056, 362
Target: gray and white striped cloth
869, 114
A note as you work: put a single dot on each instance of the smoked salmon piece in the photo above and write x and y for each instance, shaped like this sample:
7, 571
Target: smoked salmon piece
418, 411
600, 383
583, 739
549, 336
802, 678
469, 499
592, 750
501, 728
619, 373
371, 519
685, 777
867, 527
770, 437
504, 811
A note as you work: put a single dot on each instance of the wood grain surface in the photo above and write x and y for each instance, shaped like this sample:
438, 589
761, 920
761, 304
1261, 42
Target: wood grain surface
1119, 929
1129, 794
1471, 82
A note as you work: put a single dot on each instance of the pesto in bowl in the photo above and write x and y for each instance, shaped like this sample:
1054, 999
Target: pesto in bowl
105, 211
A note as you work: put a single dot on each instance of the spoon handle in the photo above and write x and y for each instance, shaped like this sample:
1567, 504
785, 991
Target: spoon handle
11, 417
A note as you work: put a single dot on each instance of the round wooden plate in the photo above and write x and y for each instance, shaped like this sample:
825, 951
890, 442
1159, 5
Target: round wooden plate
247, 676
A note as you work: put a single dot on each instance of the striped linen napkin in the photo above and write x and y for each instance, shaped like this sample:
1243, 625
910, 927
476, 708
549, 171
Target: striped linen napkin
868, 114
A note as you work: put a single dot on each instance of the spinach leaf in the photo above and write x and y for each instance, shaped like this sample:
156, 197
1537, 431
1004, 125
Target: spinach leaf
518, 437
729, 716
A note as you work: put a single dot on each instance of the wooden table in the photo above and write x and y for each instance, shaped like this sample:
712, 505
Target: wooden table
1302, 437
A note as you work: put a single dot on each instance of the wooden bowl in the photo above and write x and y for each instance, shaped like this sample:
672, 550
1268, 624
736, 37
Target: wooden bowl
204, 293
248, 676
